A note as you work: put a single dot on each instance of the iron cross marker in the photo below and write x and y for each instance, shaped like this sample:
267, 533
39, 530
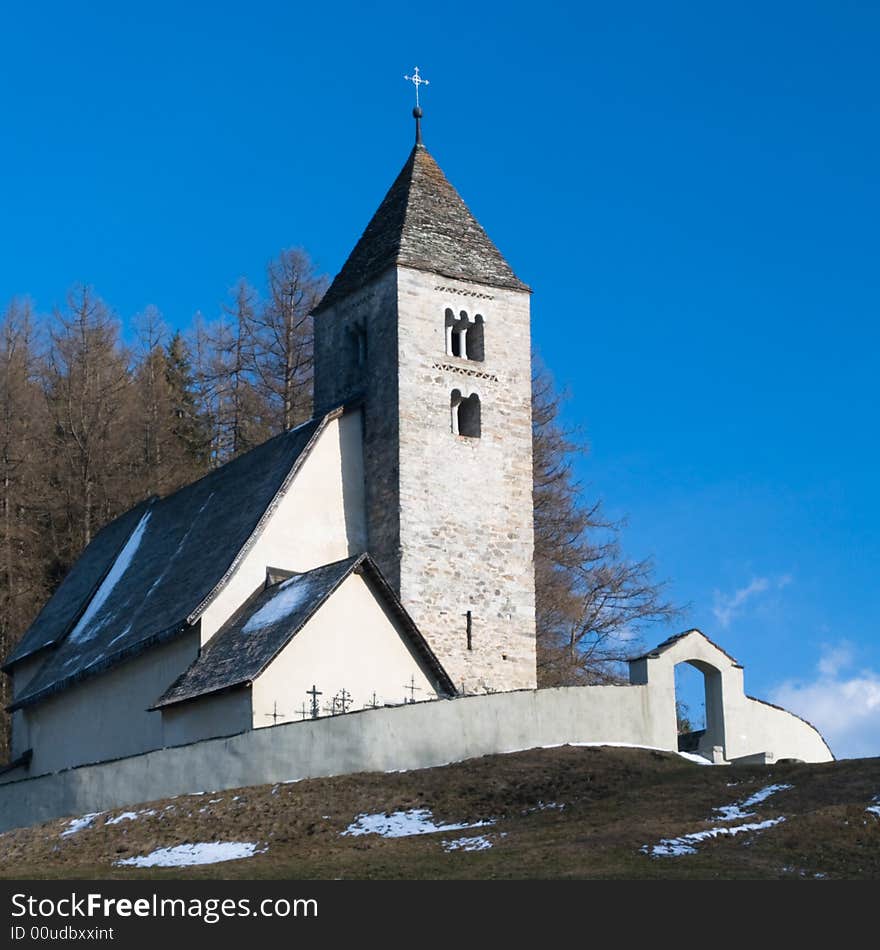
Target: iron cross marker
314, 693
275, 715
413, 689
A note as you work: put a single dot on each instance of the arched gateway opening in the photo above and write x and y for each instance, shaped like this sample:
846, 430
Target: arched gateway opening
699, 707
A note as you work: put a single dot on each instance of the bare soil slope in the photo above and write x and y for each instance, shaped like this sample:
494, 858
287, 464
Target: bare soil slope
569, 812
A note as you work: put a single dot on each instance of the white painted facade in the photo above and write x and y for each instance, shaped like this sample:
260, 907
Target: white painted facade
353, 643
320, 519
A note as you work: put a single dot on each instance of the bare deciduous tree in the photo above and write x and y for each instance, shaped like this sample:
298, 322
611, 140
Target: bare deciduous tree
281, 338
22, 493
88, 390
591, 602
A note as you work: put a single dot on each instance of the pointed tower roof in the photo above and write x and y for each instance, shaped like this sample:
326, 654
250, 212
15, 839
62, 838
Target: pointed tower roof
423, 223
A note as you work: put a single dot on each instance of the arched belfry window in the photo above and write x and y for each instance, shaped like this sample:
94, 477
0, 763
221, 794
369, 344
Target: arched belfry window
466, 415
464, 337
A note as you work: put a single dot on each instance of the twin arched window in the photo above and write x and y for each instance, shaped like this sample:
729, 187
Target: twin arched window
464, 337
465, 414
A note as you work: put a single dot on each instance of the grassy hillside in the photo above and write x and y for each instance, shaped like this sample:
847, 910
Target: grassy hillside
568, 812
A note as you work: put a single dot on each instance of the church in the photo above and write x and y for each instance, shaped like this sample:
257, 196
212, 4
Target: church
376, 558
378, 554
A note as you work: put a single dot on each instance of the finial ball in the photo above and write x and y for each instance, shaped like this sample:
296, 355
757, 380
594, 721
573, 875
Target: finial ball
417, 112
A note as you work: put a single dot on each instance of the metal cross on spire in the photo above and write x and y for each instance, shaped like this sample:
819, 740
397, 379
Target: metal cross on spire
417, 81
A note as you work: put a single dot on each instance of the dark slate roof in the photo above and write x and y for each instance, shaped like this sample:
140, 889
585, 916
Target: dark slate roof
251, 639
178, 552
423, 223
671, 641
63, 609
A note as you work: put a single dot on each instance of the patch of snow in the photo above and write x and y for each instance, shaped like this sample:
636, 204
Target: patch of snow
693, 757
79, 824
739, 810
120, 566
875, 808
131, 816
477, 843
674, 847
403, 824
290, 595
213, 801
187, 855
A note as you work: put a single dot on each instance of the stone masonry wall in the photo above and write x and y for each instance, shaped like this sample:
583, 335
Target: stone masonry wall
450, 517
339, 376
466, 503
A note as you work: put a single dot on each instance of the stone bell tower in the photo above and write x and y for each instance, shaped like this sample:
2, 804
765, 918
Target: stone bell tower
427, 324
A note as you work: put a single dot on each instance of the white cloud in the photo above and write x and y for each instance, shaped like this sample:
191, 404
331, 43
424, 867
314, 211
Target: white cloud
835, 658
845, 710
727, 606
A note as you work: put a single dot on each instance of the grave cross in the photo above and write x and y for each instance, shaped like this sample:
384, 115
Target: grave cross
413, 689
314, 693
344, 699
275, 715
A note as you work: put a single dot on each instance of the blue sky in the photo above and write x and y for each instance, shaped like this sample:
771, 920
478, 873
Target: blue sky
691, 190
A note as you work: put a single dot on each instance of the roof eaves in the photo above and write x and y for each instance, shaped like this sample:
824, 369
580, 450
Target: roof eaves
99, 666
669, 642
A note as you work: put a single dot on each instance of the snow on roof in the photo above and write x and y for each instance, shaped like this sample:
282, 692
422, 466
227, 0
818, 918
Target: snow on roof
283, 600
120, 566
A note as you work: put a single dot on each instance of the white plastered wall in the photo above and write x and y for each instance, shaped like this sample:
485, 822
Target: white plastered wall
105, 716
321, 519
223, 714
351, 643
739, 725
